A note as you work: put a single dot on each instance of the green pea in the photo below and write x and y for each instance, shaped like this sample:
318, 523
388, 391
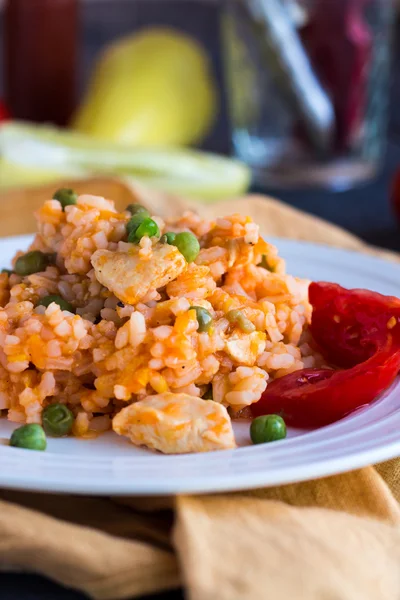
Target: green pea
136, 209
30, 437
8, 271
57, 420
204, 318
147, 227
31, 262
134, 222
66, 197
265, 265
236, 317
63, 304
268, 428
188, 245
168, 238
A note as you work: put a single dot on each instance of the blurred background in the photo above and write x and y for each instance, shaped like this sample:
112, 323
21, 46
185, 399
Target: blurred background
101, 22
301, 94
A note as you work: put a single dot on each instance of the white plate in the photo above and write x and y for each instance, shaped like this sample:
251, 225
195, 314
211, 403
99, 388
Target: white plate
111, 465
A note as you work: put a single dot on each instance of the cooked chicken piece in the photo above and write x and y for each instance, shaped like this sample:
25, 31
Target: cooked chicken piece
176, 423
245, 348
130, 278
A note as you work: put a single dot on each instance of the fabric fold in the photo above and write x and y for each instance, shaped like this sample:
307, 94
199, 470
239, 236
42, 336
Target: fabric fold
102, 565
250, 548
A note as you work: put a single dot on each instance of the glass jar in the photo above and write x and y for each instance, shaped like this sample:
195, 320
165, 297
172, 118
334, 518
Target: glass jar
307, 85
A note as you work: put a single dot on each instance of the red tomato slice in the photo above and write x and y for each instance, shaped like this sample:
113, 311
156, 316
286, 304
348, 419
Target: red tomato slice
350, 325
316, 397
353, 328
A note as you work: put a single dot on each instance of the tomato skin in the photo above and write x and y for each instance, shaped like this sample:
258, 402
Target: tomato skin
332, 395
350, 325
353, 328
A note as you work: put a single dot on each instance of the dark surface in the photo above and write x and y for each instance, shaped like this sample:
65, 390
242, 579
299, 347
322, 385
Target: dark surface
32, 587
364, 210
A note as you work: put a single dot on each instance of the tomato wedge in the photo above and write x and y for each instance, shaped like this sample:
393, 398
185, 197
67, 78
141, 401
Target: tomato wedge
352, 328
350, 325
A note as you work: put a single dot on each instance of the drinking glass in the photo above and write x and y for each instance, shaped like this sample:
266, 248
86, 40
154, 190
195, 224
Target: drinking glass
307, 85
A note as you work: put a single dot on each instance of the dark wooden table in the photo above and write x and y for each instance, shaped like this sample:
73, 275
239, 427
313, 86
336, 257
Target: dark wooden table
364, 210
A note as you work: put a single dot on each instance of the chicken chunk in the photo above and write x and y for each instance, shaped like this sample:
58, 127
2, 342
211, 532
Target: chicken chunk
176, 423
130, 278
245, 348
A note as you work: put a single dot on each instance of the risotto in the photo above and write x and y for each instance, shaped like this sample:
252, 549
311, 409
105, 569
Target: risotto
162, 337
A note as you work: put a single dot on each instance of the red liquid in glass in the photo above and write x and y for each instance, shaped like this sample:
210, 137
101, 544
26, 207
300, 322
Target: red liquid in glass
339, 42
40, 59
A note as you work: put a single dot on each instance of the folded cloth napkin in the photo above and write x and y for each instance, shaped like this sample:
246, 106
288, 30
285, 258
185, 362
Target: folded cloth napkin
334, 538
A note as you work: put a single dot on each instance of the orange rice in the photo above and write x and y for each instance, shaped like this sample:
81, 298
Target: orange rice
110, 354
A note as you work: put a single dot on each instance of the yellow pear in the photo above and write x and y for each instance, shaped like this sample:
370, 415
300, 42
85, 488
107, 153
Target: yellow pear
152, 88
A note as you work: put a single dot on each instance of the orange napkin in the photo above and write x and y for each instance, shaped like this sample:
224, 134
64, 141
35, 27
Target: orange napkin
334, 538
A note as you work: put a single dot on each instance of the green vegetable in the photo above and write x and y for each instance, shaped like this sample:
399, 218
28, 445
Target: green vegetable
57, 420
136, 209
14, 174
63, 304
168, 238
188, 245
147, 227
66, 197
134, 222
30, 437
31, 154
32, 262
8, 271
264, 264
236, 317
204, 318
267, 428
